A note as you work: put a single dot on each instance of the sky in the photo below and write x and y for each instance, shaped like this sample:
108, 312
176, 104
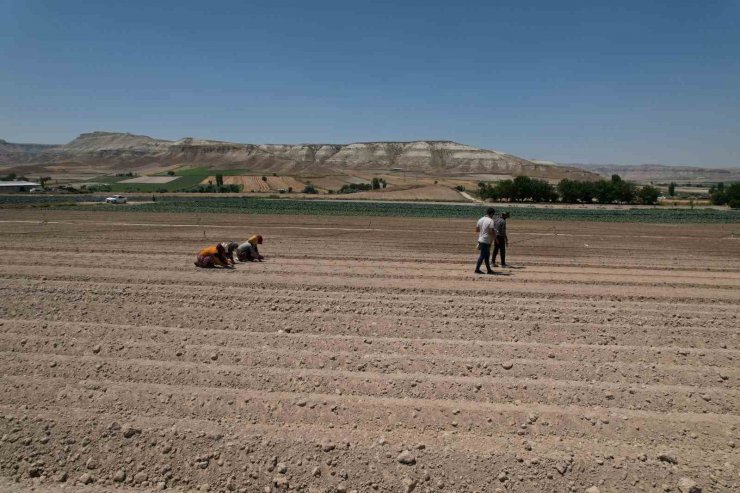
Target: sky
573, 81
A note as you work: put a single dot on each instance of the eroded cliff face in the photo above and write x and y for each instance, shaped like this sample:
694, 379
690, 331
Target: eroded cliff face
122, 151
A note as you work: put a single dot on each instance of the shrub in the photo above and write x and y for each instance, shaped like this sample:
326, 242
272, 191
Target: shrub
310, 189
170, 173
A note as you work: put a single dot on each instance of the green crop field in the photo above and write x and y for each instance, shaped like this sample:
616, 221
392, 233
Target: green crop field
181, 183
254, 205
250, 205
114, 182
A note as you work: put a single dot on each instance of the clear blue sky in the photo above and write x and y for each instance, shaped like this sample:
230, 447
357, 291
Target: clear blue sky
592, 81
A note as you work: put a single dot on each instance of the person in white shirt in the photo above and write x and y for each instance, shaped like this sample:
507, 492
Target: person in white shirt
486, 235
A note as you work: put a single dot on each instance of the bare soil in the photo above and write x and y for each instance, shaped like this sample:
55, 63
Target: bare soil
364, 355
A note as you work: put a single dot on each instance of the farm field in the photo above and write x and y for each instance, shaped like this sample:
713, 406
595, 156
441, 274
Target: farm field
147, 184
429, 192
257, 184
359, 357
302, 204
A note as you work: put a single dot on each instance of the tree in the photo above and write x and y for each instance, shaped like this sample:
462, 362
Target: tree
604, 192
310, 189
649, 195
542, 191
290, 189
522, 188
625, 191
568, 190
672, 189
519, 189
375, 183
219, 180
170, 173
504, 190
264, 178
726, 195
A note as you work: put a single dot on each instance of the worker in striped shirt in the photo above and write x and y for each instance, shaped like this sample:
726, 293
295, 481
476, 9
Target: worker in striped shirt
501, 241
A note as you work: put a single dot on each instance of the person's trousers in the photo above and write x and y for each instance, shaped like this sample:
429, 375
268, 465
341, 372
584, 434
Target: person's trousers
485, 253
499, 246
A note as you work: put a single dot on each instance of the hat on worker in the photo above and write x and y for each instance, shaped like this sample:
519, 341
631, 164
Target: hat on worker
255, 239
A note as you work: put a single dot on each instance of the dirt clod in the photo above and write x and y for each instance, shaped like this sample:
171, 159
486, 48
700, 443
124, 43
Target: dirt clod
406, 458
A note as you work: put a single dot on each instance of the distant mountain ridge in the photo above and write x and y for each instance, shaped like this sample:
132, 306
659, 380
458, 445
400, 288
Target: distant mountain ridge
115, 151
663, 172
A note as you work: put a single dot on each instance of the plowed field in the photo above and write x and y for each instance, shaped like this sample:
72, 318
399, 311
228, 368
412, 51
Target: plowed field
431, 192
365, 355
257, 184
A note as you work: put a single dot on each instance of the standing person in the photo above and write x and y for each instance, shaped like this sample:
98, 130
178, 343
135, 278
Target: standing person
248, 251
486, 234
501, 241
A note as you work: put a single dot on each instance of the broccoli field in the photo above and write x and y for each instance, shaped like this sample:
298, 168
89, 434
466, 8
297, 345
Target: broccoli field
252, 205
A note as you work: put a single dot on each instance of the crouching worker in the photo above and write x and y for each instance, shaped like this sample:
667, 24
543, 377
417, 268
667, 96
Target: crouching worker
248, 251
230, 247
212, 256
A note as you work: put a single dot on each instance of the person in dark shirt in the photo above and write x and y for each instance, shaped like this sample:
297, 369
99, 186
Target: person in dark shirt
501, 241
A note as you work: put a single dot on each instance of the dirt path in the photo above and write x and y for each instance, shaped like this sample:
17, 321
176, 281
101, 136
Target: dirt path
366, 356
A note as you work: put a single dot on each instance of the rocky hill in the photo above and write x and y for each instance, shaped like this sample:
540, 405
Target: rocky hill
110, 151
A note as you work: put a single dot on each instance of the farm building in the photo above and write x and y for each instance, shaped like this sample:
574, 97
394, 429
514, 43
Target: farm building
17, 186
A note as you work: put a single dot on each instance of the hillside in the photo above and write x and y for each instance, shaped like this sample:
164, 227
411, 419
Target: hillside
664, 173
106, 152
9, 150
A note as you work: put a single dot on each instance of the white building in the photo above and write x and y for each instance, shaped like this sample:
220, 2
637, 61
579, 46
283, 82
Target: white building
17, 186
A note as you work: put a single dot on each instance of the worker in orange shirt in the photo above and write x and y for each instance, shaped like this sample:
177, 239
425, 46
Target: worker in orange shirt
213, 256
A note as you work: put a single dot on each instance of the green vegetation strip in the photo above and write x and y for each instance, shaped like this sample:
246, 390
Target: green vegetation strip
249, 205
181, 183
204, 172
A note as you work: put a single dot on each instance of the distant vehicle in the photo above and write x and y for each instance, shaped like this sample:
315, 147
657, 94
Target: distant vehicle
116, 199
37, 190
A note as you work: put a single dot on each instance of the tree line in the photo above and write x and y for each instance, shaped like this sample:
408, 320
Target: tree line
524, 188
729, 195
